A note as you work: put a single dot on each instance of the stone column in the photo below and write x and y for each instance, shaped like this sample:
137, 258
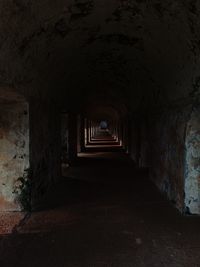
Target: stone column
79, 134
82, 134
45, 148
72, 140
64, 137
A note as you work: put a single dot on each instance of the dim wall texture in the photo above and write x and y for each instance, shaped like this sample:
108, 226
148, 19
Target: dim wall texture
14, 153
167, 151
64, 137
192, 163
45, 153
169, 146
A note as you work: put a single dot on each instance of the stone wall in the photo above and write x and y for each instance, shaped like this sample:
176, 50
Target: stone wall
45, 153
14, 152
64, 137
79, 134
192, 163
135, 142
169, 147
166, 154
72, 136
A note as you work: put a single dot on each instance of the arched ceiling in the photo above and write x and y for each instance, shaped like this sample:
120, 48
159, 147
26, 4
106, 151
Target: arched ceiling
102, 104
145, 52
102, 113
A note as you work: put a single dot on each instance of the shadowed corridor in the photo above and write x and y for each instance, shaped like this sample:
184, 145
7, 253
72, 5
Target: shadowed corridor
105, 213
99, 133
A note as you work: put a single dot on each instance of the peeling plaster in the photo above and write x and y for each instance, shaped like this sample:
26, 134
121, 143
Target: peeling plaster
14, 151
192, 161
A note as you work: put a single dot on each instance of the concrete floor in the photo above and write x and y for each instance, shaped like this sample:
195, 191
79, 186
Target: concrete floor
105, 213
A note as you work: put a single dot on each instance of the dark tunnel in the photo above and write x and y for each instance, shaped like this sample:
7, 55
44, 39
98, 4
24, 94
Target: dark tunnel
99, 133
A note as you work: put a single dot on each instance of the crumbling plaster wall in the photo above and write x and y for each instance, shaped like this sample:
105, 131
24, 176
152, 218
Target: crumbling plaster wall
166, 153
14, 152
192, 162
169, 148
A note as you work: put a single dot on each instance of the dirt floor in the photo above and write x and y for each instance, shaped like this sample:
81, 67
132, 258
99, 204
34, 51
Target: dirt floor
104, 213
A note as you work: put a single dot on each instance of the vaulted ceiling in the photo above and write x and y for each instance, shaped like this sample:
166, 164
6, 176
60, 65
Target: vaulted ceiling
139, 51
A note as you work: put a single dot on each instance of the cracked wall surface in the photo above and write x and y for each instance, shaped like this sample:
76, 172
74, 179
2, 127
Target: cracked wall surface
14, 152
167, 150
192, 163
169, 147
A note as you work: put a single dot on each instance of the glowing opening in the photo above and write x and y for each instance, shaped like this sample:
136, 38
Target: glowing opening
103, 125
